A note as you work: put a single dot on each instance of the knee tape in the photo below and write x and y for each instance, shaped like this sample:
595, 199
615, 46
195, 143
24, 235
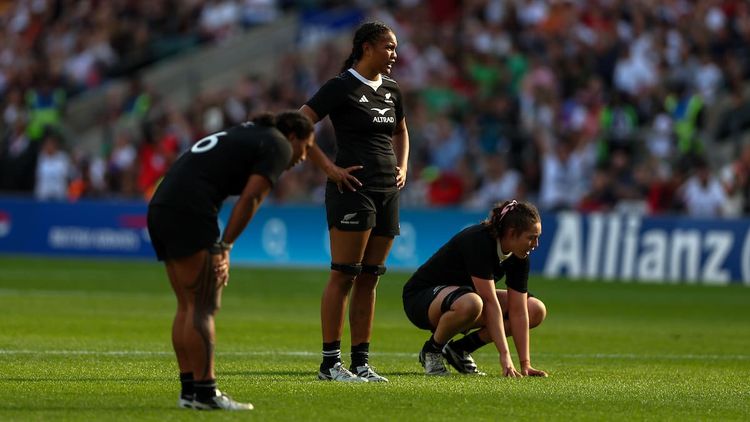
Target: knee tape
374, 269
453, 296
352, 269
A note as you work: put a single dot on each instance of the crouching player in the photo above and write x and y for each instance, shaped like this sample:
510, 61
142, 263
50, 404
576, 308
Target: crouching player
454, 292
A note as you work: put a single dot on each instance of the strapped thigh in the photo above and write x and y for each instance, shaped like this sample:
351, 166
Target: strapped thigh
453, 296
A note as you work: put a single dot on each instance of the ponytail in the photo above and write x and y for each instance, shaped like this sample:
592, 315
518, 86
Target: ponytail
509, 215
349, 62
287, 122
292, 121
264, 119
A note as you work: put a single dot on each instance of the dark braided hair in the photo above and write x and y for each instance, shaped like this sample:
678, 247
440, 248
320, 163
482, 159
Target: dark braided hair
291, 121
367, 32
519, 216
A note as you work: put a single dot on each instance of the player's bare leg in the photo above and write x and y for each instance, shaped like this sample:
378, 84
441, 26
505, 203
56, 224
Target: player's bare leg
347, 249
462, 314
178, 339
362, 306
197, 284
458, 353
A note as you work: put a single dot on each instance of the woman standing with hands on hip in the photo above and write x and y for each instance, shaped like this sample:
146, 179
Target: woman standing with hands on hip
366, 109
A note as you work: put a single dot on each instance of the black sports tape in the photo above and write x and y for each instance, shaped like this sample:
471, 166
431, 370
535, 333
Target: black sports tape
374, 269
353, 269
453, 296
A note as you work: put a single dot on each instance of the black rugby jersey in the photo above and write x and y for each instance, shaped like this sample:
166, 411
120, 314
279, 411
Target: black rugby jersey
364, 120
220, 164
471, 252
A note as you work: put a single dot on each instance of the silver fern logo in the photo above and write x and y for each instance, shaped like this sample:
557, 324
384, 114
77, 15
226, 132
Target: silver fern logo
347, 219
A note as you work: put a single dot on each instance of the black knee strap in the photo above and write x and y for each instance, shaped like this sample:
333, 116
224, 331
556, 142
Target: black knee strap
453, 296
352, 269
374, 269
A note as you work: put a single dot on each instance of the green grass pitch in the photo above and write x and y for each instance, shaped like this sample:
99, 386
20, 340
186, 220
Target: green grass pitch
90, 340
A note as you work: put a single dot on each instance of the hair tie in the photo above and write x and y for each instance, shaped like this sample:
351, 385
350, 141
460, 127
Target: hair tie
512, 204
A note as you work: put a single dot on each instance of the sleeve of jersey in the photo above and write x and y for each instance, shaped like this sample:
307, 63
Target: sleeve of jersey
327, 98
517, 274
276, 157
400, 113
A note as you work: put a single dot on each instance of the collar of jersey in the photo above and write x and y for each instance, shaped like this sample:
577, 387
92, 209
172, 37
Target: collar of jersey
500, 253
372, 84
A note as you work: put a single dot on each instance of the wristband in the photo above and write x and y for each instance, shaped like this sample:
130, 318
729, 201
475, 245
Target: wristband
219, 247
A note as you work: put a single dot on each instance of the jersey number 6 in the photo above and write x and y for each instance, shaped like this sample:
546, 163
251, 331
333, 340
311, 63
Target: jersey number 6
207, 143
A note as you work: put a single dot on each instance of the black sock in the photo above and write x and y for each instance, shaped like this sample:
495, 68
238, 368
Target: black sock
469, 343
432, 346
186, 380
204, 390
331, 355
360, 354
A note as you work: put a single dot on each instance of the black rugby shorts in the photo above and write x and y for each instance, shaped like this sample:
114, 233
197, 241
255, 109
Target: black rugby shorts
362, 210
176, 234
417, 305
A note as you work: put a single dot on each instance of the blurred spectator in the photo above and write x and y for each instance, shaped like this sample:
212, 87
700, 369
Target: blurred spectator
218, 18
498, 184
138, 99
708, 78
446, 189
687, 112
446, 143
634, 74
735, 176
735, 116
255, 12
88, 179
18, 158
46, 104
659, 138
618, 124
702, 194
121, 164
565, 171
600, 197
626, 186
54, 170
14, 109
664, 80
663, 196
155, 157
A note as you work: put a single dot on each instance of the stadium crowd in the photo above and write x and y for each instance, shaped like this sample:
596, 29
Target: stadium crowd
592, 105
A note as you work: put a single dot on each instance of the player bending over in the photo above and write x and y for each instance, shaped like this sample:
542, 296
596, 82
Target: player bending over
244, 160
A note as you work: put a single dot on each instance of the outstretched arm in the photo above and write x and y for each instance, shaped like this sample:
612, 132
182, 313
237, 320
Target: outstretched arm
518, 313
492, 315
340, 176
